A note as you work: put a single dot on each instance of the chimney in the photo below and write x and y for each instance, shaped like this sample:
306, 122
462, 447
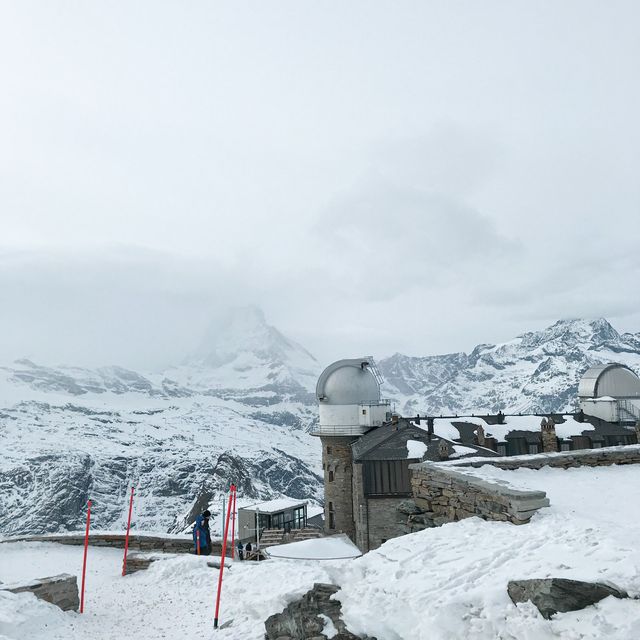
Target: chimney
549, 438
443, 449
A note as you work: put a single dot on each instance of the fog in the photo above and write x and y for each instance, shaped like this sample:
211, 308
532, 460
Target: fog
377, 176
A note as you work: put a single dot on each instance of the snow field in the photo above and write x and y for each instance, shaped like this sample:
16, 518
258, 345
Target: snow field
447, 583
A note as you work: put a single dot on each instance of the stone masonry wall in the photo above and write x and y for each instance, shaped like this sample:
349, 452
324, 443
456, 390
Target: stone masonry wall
443, 493
628, 454
61, 590
138, 542
338, 493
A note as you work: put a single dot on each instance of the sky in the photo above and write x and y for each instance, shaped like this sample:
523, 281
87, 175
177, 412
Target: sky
377, 176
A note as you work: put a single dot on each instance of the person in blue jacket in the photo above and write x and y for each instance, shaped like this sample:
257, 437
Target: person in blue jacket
201, 526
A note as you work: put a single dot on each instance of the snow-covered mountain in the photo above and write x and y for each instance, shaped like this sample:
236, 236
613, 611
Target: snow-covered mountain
239, 409
536, 372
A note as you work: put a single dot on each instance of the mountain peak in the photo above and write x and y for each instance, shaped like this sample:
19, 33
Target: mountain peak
243, 334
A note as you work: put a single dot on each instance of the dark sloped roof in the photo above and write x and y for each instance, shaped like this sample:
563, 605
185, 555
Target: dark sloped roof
389, 442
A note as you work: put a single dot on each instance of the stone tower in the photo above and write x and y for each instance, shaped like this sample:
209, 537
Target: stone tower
549, 438
348, 394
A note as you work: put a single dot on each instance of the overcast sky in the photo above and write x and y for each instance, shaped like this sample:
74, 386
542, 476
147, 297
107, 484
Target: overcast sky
377, 176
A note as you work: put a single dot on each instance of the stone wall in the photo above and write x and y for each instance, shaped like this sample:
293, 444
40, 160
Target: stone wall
444, 493
138, 542
61, 590
337, 459
628, 454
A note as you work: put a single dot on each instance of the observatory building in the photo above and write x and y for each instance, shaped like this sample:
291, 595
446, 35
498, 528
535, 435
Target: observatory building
348, 392
610, 392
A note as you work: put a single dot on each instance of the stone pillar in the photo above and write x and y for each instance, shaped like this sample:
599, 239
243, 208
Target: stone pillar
443, 450
337, 462
480, 434
549, 438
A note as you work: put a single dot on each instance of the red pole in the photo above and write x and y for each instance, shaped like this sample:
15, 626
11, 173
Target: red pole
224, 552
233, 525
198, 541
84, 561
126, 540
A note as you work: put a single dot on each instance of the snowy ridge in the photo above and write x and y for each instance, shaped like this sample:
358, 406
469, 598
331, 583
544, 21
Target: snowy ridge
536, 372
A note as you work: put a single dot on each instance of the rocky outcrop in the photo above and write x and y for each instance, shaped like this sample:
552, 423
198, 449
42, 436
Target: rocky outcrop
61, 590
553, 595
315, 616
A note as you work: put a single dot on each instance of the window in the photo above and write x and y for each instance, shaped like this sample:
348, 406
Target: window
533, 448
332, 517
364, 412
502, 449
330, 476
329, 450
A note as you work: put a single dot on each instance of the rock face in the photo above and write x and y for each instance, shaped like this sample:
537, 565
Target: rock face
313, 617
553, 595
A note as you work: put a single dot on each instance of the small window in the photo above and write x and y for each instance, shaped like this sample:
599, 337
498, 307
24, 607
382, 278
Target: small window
329, 450
364, 412
331, 506
330, 476
332, 520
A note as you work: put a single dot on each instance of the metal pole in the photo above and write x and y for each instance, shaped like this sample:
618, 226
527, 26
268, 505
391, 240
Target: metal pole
233, 525
258, 532
126, 540
84, 560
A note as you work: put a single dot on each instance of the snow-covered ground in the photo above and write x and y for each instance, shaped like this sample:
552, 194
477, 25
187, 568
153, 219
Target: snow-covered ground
442, 584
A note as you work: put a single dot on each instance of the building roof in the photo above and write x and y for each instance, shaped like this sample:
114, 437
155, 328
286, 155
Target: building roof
613, 379
389, 442
275, 506
349, 381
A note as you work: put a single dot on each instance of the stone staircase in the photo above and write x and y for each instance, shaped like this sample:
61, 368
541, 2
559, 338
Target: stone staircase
270, 537
304, 534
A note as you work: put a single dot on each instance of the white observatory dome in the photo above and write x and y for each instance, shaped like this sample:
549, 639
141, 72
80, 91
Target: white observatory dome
348, 382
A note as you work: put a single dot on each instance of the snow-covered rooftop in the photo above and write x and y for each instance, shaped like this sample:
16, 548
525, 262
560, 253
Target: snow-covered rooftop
337, 547
274, 506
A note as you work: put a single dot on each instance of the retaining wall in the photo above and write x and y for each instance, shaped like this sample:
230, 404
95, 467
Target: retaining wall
61, 590
138, 542
628, 454
446, 494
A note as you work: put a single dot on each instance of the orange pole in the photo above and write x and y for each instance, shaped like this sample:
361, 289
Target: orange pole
84, 560
126, 540
198, 541
224, 552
